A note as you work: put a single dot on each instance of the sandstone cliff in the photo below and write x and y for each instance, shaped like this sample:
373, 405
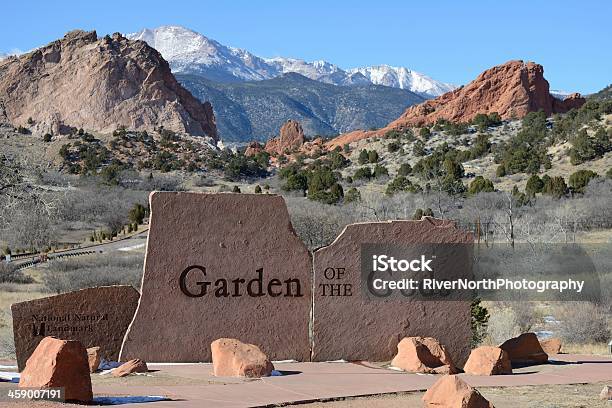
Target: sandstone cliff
98, 84
291, 137
512, 90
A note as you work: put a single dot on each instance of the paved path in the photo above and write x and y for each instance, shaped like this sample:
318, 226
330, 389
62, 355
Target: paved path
192, 385
316, 381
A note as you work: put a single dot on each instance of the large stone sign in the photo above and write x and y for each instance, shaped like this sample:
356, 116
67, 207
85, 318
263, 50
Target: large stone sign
95, 317
221, 266
351, 324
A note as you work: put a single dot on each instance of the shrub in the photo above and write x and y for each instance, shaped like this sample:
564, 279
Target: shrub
257, 189
425, 133
352, 195
418, 148
534, 185
404, 170
373, 156
393, 147
380, 171
555, 187
580, 179
363, 157
137, 213
480, 319
483, 121
236, 189
401, 183
480, 185
65, 275
363, 173
500, 171
583, 322
47, 137
8, 274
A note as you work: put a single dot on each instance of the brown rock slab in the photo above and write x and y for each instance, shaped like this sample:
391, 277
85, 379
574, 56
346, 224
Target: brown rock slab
129, 367
225, 266
93, 357
487, 360
232, 358
349, 324
551, 346
59, 363
524, 350
423, 355
451, 391
606, 393
95, 317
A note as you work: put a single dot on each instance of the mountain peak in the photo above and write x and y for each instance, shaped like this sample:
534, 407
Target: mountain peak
189, 52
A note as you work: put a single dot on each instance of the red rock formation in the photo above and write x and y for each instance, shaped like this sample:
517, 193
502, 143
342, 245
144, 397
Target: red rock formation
512, 90
98, 84
253, 148
59, 363
291, 137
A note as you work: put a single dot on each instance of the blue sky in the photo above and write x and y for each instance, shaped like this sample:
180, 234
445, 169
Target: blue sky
452, 41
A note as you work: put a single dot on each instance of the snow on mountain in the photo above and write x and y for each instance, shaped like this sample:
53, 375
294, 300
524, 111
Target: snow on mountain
190, 52
559, 93
404, 78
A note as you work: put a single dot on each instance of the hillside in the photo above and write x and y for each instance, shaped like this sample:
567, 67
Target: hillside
256, 110
98, 84
604, 94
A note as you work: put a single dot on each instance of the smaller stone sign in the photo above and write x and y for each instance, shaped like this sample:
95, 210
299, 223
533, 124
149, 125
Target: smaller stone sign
96, 317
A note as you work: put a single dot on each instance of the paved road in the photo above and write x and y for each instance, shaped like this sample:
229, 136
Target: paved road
134, 242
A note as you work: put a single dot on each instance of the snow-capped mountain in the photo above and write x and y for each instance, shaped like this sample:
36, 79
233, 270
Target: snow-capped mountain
190, 52
404, 78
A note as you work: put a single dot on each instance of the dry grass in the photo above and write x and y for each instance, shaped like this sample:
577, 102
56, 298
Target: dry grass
545, 396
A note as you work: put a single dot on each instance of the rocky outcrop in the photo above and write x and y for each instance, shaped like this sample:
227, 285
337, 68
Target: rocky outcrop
423, 355
253, 148
291, 137
451, 391
488, 360
524, 350
232, 358
98, 84
512, 90
62, 364
130, 367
